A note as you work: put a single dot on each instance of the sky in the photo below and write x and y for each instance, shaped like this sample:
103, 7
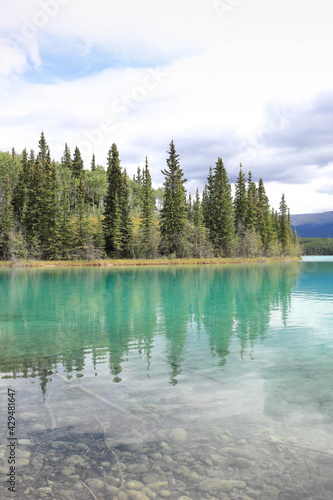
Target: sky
250, 81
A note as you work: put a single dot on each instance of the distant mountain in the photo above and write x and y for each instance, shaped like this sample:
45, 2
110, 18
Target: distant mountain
313, 225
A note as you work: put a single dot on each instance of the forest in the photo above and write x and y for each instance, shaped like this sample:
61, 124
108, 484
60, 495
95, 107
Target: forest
58, 210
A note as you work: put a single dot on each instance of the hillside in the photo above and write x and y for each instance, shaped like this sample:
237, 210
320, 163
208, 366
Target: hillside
313, 225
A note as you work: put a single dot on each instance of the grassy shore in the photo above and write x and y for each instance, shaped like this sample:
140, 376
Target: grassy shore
143, 262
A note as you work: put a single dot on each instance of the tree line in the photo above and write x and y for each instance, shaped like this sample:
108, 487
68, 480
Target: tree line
58, 210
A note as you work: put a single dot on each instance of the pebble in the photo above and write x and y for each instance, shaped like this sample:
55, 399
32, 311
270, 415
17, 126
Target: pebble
25, 442
165, 493
150, 478
243, 463
133, 444
216, 485
135, 485
157, 485
137, 495
75, 460
178, 435
95, 484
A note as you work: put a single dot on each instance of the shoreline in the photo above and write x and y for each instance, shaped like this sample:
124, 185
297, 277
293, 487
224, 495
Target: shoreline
144, 262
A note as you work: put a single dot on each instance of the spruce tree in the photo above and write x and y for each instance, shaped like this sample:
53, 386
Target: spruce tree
284, 226
93, 164
264, 220
77, 164
6, 220
81, 224
251, 203
126, 226
44, 152
147, 212
66, 159
99, 241
208, 201
65, 226
222, 231
240, 202
112, 219
21, 190
50, 223
173, 213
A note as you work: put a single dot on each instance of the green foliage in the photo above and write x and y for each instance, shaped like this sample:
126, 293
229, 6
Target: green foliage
54, 210
240, 202
77, 164
222, 222
112, 214
6, 219
316, 246
173, 213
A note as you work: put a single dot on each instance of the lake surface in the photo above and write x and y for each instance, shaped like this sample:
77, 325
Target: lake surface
168, 382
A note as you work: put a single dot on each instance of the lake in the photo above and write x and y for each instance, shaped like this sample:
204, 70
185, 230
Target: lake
174, 382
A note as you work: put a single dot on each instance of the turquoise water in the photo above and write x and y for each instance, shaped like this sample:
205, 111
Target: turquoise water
169, 382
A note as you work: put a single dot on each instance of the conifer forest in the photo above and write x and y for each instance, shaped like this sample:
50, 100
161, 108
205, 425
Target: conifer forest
57, 210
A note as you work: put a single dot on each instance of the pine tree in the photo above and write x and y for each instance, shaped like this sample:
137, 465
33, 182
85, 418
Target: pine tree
240, 202
6, 220
264, 220
34, 209
173, 213
208, 201
147, 203
200, 239
66, 159
126, 226
284, 226
251, 202
65, 226
147, 213
50, 223
222, 231
13, 153
44, 152
21, 190
112, 219
81, 224
93, 164
77, 164
189, 208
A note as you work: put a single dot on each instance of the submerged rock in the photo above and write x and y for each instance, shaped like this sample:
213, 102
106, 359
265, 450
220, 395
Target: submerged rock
216, 485
178, 435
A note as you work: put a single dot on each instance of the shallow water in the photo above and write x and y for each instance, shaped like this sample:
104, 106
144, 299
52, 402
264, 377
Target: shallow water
185, 382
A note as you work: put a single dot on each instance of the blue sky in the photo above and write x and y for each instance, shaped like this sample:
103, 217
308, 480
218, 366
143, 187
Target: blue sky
247, 80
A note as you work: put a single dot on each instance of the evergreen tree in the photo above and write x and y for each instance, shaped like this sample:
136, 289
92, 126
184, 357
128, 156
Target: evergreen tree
284, 226
147, 203
240, 202
208, 201
126, 226
222, 231
13, 153
264, 220
93, 164
34, 208
44, 152
6, 220
77, 164
66, 159
200, 237
190, 208
50, 222
21, 190
65, 226
147, 213
81, 224
251, 202
173, 213
112, 219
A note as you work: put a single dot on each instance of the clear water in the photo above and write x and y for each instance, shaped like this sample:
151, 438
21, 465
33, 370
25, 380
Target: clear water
169, 382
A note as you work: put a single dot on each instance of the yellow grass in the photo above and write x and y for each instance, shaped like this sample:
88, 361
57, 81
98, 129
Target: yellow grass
143, 262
